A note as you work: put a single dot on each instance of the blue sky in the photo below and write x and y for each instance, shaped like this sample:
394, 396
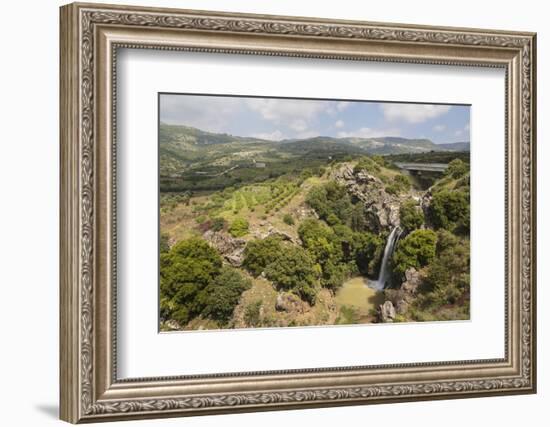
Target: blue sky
277, 118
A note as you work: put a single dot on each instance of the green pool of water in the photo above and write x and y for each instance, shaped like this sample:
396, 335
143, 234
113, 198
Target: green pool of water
355, 293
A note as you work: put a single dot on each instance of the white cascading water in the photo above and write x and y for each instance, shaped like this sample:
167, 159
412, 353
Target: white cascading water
380, 283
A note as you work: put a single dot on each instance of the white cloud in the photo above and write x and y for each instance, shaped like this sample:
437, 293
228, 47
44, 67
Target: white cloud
465, 131
299, 125
285, 110
293, 117
276, 135
413, 113
439, 128
369, 133
342, 105
199, 111
339, 124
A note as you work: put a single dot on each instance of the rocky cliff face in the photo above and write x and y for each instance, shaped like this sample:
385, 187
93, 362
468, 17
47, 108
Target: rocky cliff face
382, 209
230, 248
401, 298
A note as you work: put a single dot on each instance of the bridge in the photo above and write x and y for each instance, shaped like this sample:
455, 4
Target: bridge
423, 167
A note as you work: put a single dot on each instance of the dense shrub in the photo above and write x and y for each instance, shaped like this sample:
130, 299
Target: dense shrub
380, 160
221, 296
325, 248
218, 224
164, 245
331, 200
258, 254
449, 274
451, 210
400, 184
287, 219
252, 313
457, 168
185, 270
194, 283
416, 250
366, 248
368, 164
410, 215
294, 270
358, 221
445, 291
239, 227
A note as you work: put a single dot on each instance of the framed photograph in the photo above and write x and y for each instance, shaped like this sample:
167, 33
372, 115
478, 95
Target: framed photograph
266, 212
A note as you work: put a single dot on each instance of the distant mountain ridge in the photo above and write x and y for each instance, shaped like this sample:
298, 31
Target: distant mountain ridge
186, 135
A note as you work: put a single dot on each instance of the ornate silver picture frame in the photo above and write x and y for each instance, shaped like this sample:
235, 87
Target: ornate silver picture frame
91, 36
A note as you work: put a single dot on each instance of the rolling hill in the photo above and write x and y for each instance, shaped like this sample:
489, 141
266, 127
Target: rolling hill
212, 160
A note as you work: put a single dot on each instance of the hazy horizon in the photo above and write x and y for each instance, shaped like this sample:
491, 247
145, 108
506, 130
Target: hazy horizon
278, 119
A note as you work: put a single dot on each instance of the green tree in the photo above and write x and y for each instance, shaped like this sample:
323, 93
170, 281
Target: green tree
330, 248
331, 200
410, 215
358, 220
367, 164
222, 295
448, 277
258, 254
451, 210
365, 250
239, 227
457, 168
320, 240
416, 250
332, 219
185, 270
294, 270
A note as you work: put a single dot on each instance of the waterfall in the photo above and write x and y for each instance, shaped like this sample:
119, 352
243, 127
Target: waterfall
380, 283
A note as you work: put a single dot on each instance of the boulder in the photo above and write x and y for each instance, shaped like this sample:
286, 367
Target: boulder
413, 278
401, 298
387, 312
172, 325
231, 248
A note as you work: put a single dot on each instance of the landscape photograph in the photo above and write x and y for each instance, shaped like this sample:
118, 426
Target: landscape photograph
287, 212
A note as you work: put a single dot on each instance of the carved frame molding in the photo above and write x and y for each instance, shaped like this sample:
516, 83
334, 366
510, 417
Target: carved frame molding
90, 36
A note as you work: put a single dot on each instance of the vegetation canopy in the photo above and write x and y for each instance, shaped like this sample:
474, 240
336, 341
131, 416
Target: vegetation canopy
258, 233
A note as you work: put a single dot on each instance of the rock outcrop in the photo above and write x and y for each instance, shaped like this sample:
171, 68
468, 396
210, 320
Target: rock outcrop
382, 209
231, 248
401, 298
272, 231
171, 325
386, 312
425, 202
